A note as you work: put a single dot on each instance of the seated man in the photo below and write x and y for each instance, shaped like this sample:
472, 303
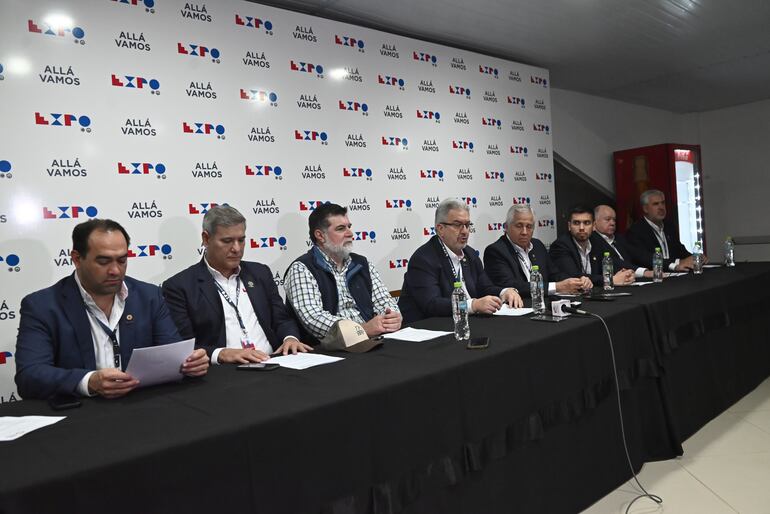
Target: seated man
653, 230
508, 261
604, 239
76, 337
330, 283
574, 254
205, 299
445, 259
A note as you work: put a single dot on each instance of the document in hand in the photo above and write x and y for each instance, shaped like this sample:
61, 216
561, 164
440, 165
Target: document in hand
159, 364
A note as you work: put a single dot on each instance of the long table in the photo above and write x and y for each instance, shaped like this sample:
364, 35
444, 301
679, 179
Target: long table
528, 425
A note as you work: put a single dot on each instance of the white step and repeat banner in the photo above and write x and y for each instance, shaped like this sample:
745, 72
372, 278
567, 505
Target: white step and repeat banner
149, 112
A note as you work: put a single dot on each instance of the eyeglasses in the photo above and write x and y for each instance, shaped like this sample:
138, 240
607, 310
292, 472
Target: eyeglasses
458, 225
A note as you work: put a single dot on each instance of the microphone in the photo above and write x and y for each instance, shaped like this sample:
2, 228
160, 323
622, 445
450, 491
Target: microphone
572, 310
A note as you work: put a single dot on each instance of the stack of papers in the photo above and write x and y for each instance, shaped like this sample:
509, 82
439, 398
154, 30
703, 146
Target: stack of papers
302, 360
12, 427
415, 335
512, 311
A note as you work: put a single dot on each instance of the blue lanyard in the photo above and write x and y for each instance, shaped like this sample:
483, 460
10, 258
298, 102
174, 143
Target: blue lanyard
113, 339
233, 305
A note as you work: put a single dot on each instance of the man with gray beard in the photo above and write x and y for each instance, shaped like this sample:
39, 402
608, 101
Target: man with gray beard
330, 283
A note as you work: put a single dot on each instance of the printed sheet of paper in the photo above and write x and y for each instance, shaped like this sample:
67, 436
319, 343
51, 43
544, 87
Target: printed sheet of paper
13, 427
415, 335
512, 311
159, 364
302, 360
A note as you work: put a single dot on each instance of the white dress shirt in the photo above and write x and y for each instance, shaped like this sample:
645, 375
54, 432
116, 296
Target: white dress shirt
524, 258
661, 236
638, 272
105, 356
585, 255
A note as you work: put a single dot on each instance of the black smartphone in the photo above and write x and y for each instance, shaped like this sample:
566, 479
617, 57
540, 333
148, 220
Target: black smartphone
64, 401
258, 366
477, 343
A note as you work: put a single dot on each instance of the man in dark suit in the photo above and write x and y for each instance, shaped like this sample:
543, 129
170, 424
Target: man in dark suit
445, 259
206, 300
604, 239
76, 337
574, 254
654, 231
509, 260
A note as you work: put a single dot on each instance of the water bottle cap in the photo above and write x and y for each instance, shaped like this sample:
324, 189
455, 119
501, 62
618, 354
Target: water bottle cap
535, 268
458, 284
606, 254
657, 248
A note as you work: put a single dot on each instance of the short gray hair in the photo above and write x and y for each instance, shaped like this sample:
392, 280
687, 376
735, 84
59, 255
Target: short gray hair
446, 205
598, 208
645, 198
221, 216
518, 209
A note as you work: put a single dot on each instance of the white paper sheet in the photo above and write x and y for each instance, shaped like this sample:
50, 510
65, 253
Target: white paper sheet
302, 360
13, 427
159, 364
512, 311
641, 283
415, 335
712, 265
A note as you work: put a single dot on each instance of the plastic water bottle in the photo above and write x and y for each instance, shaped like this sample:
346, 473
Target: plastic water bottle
536, 290
697, 258
607, 272
729, 252
460, 313
657, 265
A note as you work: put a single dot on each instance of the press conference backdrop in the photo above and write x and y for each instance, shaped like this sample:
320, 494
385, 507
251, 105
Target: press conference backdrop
150, 112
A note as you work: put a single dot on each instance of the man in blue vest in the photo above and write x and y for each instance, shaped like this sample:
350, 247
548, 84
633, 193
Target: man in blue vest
330, 283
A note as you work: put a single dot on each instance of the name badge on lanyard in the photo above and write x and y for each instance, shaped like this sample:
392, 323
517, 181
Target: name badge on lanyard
246, 343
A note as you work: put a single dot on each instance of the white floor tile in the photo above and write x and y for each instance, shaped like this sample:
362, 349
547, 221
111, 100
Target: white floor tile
681, 494
759, 418
758, 399
743, 481
728, 434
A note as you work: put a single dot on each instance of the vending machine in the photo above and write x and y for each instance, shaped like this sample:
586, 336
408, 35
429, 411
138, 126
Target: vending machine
673, 169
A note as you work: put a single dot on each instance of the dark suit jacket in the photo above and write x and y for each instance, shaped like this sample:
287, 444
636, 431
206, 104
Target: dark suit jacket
629, 256
429, 282
642, 237
565, 254
504, 267
54, 347
197, 309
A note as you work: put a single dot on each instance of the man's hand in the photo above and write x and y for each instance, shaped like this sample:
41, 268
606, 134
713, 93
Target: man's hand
685, 264
293, 345
111, 383
487, 305
234, 355
513, 299
383, 323
648, 273
574, 285
197, 364
623, 277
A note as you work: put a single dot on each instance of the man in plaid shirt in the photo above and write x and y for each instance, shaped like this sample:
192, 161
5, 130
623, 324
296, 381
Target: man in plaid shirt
330, 283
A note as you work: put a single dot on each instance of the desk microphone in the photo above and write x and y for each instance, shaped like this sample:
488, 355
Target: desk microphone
573, 310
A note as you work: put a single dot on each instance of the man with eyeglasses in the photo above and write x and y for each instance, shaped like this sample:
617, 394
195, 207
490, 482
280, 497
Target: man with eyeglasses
445, 259
76, 337
509, 260
574, 254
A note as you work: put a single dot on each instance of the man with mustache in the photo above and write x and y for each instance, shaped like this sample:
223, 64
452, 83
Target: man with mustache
330, 282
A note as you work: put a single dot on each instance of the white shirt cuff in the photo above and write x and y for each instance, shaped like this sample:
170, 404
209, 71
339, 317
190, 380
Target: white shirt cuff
639, 272
673, 265
215, 356
551, 288
470, 306
83, 384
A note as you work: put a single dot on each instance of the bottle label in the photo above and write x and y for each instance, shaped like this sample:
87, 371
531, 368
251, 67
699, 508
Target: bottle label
462, 305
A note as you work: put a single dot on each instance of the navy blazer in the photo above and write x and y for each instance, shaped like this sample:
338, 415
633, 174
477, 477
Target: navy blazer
54, 347
429, 282
641, 236
565, 254
197, 310
504, 267
627, 257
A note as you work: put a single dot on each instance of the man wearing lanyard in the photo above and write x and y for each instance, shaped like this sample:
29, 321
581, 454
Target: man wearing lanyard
76, 337
605, 239
508, 261
230, 306
653, 230
330, 282
574, 254
445, 259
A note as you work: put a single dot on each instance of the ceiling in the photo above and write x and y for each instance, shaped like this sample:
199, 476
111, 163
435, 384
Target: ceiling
678, 55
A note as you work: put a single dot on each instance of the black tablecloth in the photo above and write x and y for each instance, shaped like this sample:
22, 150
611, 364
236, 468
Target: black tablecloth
528, 425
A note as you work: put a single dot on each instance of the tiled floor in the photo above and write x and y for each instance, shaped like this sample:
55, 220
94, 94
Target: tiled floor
725, 468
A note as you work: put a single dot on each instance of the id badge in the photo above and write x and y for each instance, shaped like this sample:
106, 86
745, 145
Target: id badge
247, 345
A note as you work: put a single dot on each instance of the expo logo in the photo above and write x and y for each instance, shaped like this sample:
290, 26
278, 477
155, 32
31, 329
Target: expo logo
357, 172
519, 150
306, 67
423, 57
254, 23
488, 70
459, 90
395, 141
149, 5
5, 169
311, 135
203, 128
12, 261
44, 28
64, 120
142, 168
538, 81
398, 263
311, 205
516, 100
470, 200
263, 170
69, 212
391, 81
429, 231
462, 145
430, 174
269, 242
494, 227
258, 95
429, 115
548, 177
539, 127
491, 122
4, 356
132, 81
398, 204
151, 250
546, 222
352, 105
495, 175
202, 208
366, 235
521, 200
349, 42
198, 51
